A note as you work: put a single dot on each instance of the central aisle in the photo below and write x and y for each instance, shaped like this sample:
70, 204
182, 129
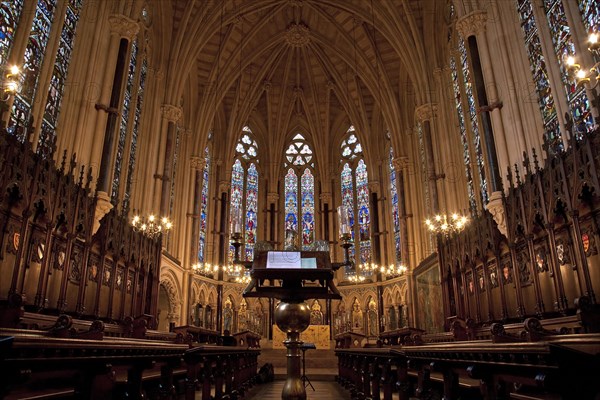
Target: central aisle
324, 390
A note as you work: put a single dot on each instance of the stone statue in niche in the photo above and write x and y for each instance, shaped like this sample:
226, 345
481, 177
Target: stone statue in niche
316, 315
372, 316
357, 317
227, 316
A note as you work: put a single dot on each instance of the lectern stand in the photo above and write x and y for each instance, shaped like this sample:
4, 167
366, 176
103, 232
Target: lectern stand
292, 315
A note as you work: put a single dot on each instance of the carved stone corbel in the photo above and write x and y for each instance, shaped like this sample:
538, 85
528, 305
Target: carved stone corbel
103, 206
496, 207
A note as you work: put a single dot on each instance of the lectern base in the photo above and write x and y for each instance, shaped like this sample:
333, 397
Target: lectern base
292, 318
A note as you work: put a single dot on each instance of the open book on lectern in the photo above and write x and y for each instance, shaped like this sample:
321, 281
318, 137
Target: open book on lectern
289, 260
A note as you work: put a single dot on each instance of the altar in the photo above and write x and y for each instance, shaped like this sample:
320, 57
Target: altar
317, 334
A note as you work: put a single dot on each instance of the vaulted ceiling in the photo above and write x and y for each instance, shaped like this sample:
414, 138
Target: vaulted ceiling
313, 65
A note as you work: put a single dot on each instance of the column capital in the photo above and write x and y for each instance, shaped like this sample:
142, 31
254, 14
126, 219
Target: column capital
171, 113
400, 163
224, 186
272, 197
472, 23
374, 187
326, 197
123, 26
197, 162
425, 112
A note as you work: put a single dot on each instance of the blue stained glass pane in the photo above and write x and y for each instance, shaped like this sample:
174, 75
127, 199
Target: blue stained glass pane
203, 207
590, 13
59, 77
395, 209
348, 201
564, 47
308, 208
34, 55
237, 190
364, 217
251, 210
10, 12
472, 109
291, 201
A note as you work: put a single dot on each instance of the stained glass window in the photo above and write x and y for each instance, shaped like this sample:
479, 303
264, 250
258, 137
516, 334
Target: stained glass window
244, 190
127, 101
174, 168
562, 40
10, 12
355, 196
59, 76
291, 201
299, 215
251, 209
590, 12
395, 208
308, 208
204, 207
34, 55
364, 219
134, 134
537, 63
463, 134
472, 113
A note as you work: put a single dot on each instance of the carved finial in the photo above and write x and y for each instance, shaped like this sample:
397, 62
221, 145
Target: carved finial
88, 183
535, 160
81, 173
72, 164
509, 177
526, 163
517, 176
64, 162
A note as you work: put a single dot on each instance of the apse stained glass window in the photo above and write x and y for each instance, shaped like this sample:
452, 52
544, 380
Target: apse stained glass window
300, 192
355, 196
203, 220
127, 103
590, 12
291, 201
244, 191
10, 12
30, 72
537, 63
251, 209
472, 113
308, 208
562, 40
395, 206
59, 77
463, 134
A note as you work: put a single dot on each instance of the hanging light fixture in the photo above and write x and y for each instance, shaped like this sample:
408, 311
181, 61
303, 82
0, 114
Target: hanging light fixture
447, 225
151, 225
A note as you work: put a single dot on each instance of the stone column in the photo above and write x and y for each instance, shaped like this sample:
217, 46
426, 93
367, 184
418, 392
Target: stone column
272, 210
474, 24
104, 141
171, 114
425, 114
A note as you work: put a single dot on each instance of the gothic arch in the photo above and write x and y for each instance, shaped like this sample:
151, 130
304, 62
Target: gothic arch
169, 282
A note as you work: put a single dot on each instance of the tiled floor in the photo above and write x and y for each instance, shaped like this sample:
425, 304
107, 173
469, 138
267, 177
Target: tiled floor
324, 390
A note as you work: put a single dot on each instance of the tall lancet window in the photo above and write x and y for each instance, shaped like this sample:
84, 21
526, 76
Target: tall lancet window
47, 138
244, 190
590, 13
355, 195
10, 12
564, 46
395, 206
32, 64
299, 183
537, 63
203, 207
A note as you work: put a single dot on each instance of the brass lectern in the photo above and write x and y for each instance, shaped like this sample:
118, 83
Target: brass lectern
293, 277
